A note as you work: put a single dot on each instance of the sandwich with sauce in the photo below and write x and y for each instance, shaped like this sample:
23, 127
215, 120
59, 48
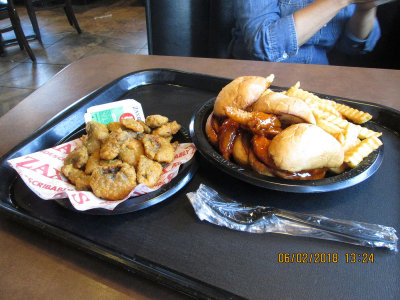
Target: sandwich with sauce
270, 132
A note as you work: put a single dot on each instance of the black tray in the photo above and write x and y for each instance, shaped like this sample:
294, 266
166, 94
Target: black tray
169, 244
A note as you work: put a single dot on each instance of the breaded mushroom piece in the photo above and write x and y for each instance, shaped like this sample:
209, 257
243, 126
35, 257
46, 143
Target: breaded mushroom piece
96, 130
96, 133
131, 152
78, 157
167, 129
113, 183
158, 148
146, 128
134, 125
155, 121
114, 126
114, 143
148, 171
77, 177
94, 161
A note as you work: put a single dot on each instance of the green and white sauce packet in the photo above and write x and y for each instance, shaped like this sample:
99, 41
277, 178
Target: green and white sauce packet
115, 112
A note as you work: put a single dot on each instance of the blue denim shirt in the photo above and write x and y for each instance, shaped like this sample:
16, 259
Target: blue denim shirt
265, 30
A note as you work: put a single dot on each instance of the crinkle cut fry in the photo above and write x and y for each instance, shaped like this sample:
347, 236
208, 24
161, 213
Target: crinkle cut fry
363, 131
356, 154
314, 101
331, 112
320, 114
355, 115
325, 105
366, 133
329, 127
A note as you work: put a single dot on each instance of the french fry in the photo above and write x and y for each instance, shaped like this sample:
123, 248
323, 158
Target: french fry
350, 136
330, 106
357, 153
320, 114
366, 133
355, 115
266, 92
342, 123
329, 127
313, 100
340, 137
270, 78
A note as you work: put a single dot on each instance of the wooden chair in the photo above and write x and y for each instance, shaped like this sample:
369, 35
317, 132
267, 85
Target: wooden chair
32, 6
8, 11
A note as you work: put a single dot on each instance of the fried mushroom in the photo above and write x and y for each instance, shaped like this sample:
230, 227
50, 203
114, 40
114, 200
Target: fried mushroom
78, 157
131, 152
132, 124
155, 121
77, 177
113, 183
167, 129
112, 146
148, 171
96, 133
158, 148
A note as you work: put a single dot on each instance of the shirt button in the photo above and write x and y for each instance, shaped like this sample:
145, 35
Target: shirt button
284, 55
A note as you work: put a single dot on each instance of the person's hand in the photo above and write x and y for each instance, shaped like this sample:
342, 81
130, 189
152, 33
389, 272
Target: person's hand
363, 19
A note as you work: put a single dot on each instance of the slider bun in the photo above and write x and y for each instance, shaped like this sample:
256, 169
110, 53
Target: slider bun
305, 146
241, 93
290, 110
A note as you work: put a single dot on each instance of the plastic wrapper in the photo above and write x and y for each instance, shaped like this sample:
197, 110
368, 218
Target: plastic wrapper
214, 208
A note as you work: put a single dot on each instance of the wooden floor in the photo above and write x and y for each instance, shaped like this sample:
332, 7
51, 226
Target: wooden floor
107, 27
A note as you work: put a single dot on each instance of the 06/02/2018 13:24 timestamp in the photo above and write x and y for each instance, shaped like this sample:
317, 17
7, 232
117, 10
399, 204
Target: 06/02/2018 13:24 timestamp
324, 257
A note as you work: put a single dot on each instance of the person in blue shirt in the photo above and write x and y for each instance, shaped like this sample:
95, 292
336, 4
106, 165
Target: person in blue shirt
303, 31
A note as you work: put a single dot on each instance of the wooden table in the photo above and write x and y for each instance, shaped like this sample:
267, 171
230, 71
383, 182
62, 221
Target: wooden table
33, 266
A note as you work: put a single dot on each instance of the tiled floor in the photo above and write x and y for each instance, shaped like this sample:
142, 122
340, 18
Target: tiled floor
107, 27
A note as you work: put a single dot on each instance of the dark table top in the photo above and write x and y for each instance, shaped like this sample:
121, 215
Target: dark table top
35, 266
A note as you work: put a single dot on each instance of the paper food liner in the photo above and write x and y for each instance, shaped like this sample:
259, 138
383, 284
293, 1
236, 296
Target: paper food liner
41, 172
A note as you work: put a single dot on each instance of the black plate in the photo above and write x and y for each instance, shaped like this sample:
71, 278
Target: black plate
330, 183
185, 173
